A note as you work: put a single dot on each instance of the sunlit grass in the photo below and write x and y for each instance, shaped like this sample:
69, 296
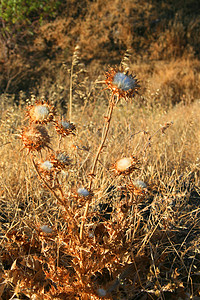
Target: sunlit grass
169, 165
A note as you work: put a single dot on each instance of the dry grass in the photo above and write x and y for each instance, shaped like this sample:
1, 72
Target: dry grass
158, 257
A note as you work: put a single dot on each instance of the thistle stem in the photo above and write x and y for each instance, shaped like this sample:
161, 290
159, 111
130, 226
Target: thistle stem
104, 136
103, 139
50, 189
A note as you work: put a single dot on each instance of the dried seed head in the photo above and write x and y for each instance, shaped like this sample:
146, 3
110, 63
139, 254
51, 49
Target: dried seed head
140, 184
80, 196
125, 165
101, 292
35, 137
46, 229
122, 84
138, 188
62, 158
65, 128
41, 113
65, 125
46, 165
59, 160
47, 170
83, 192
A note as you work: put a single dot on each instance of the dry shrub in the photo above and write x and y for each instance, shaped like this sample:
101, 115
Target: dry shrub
179, 80
54, 36
174, 40
168, 83
131, 236
155, 31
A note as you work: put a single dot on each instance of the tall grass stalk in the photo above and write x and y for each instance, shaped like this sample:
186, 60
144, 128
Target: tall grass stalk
75, 61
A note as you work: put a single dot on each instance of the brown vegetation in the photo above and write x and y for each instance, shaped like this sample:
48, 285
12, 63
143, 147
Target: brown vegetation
73, 223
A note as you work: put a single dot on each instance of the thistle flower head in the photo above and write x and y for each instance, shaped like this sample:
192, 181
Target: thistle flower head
47, 170
122, 84
46, 229
40, 113
125, 165
101, 292
62, 158
35, 137
65, 124
46, 165
83, 192
59, 160
138, 188
65, 128
140, 184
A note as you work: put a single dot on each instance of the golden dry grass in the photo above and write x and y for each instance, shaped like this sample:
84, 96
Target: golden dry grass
166, 222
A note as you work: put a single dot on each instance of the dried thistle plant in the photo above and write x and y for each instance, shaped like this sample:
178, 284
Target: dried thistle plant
101, 247
120, 85
40, 113
85, 243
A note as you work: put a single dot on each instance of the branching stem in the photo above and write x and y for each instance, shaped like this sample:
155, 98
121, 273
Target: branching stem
92, 173
50, 189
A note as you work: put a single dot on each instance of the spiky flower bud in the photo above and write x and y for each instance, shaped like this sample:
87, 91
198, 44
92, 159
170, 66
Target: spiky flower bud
124, 82
65, 128
47, 170
125, 165
121, 84
58, 161
83, 192
101, 292
140, 184
46, 165
65, 125
40, 113
35, 137
138, 188
62, 158
46, 229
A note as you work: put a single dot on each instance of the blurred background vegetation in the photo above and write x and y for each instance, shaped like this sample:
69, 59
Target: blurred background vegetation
38, 39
